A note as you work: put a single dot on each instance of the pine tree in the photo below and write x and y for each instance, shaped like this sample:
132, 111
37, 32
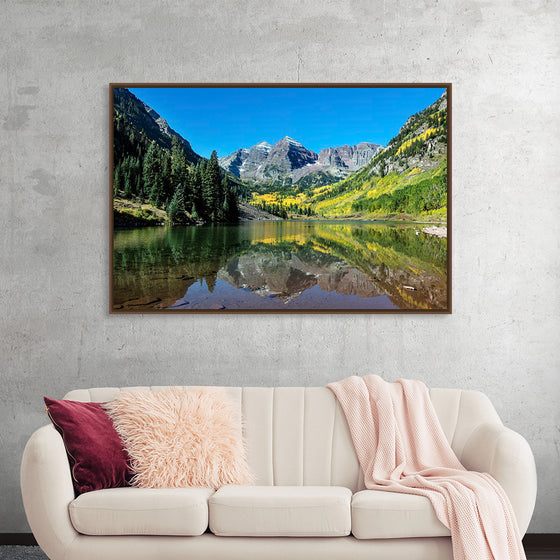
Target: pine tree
168, 189
195, 180
225, 210
180, 192
194, 215
211, 187
173, 209
127, 187
179, 171
152, 175
135, 173
221, 199
117, 186
230, 208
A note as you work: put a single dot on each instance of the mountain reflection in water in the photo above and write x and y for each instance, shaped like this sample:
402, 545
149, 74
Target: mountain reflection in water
279, 265
286, 274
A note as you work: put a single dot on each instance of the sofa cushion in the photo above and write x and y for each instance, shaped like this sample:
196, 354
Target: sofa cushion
391, 515
280, 511
142, 511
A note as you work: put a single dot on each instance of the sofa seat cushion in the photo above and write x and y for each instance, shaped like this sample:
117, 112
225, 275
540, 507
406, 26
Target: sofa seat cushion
390, 515
142, 511
280, 511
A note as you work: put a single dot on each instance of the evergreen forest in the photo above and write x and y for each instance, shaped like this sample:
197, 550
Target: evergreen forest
148, 177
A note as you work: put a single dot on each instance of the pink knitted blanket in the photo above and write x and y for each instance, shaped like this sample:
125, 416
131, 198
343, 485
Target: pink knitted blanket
402, 448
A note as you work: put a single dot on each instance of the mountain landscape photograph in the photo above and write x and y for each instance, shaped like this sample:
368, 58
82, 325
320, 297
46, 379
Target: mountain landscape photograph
280, 198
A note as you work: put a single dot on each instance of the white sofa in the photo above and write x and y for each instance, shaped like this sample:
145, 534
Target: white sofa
308, 500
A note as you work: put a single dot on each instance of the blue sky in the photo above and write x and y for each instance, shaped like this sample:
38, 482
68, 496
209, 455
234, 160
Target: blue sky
225, 119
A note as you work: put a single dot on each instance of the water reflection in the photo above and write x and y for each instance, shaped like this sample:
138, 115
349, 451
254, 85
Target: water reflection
291, 265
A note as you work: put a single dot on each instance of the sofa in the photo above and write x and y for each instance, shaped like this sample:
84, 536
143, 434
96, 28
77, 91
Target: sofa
307, 501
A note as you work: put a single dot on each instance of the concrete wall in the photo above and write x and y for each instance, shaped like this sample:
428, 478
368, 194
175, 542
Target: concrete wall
56, 62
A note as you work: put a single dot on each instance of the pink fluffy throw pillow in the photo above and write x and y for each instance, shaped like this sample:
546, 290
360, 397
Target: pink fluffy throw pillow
181, 437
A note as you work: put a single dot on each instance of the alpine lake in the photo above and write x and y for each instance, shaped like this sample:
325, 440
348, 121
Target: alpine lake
279, 265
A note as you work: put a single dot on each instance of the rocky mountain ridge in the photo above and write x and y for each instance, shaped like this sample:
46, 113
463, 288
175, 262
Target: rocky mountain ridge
350, 157
287, 161
148, 122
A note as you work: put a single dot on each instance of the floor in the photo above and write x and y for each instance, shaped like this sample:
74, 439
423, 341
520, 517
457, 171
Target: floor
544, 553
22, 553
534, 552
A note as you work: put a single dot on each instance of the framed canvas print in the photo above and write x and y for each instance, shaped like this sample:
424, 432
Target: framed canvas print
280, 198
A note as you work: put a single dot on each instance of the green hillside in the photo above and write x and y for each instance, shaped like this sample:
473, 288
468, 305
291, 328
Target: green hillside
407, 180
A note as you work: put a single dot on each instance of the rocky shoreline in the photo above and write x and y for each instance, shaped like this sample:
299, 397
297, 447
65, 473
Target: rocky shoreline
437, 231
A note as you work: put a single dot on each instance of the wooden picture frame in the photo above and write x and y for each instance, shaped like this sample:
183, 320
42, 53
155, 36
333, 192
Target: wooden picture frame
363, 226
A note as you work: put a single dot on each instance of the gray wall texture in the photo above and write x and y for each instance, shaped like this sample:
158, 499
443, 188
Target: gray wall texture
56, 62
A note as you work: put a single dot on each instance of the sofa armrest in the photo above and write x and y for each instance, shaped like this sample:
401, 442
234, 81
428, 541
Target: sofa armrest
46, 487
504, 454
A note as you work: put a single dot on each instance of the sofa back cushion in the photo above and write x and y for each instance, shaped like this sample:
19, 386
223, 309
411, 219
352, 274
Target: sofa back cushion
299, 435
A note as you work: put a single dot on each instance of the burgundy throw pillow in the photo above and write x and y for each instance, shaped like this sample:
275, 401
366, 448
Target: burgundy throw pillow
97, 456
